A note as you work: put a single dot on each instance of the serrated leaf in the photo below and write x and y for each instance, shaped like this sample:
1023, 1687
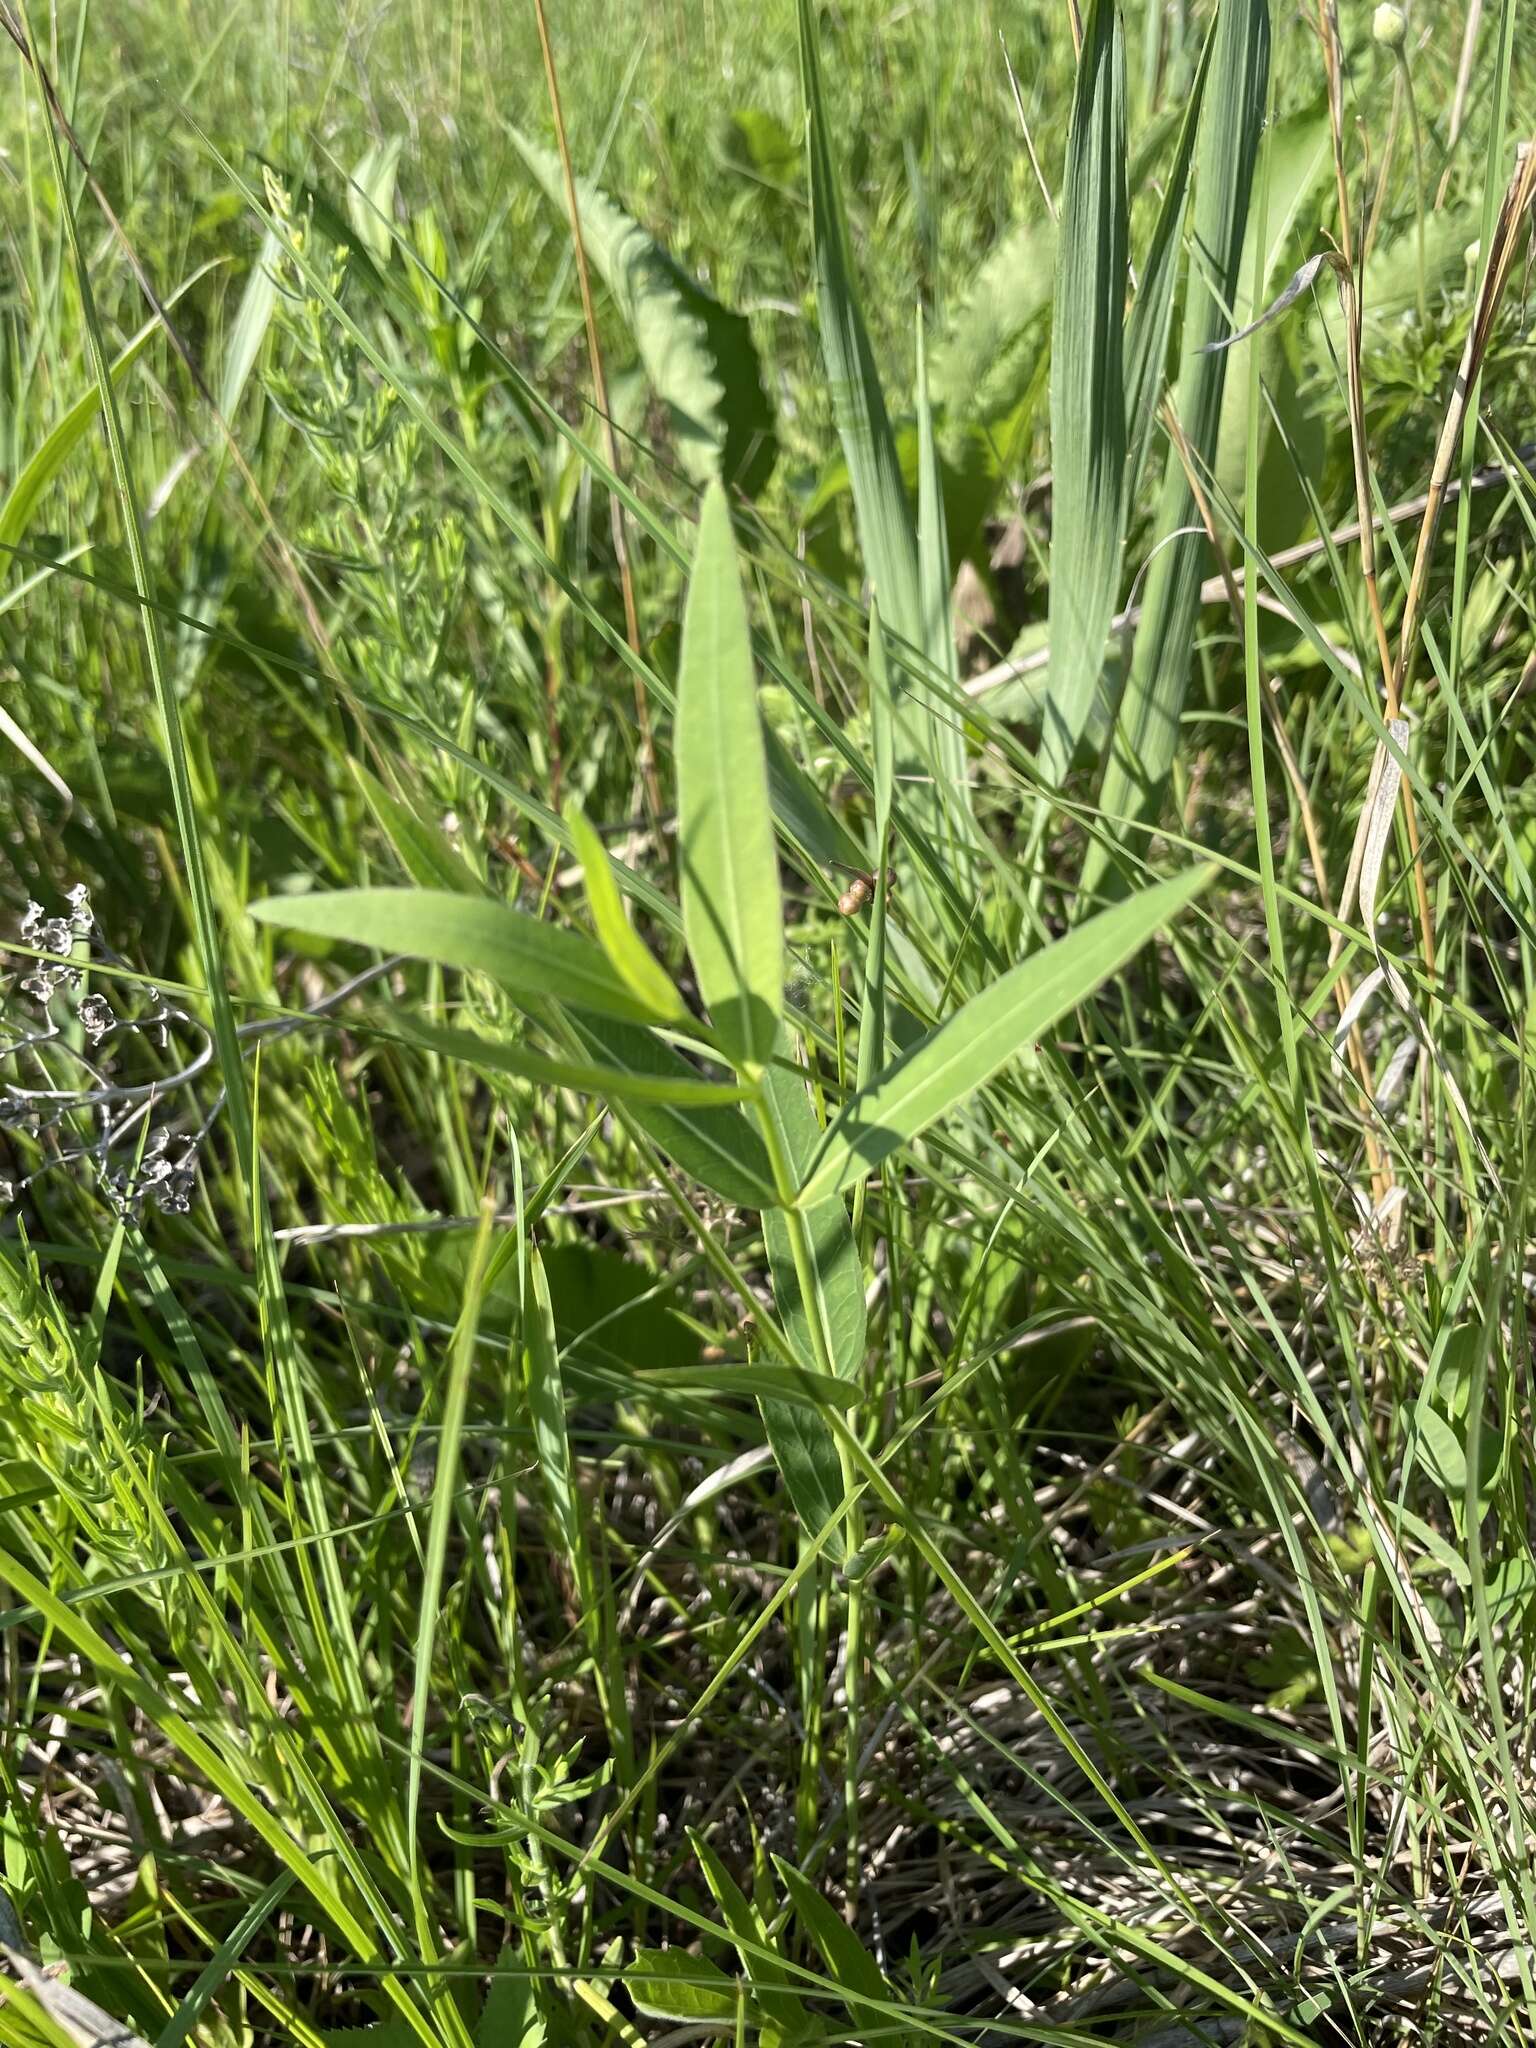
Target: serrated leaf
698, 355
631, 957
732, 914
509, 2017
987, 359
1088, 440
396, 2033
992, 1028
475, 934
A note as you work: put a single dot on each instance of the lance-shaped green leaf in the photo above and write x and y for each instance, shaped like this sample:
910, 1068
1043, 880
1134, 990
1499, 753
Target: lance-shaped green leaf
526, 956
1088, 443
732, 915
716, 1146
633, 959
994, 1027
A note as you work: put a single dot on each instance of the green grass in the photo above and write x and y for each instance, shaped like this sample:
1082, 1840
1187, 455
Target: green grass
865, 1378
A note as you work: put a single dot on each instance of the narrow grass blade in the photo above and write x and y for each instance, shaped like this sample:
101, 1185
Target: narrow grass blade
717, 1147
858, 403
805, 1452
683, 1090
526, 956
935, 584
1088, 436
732, 917
445, 1506
1146, 737
56, 447
1151, 316
546, 1410
881, 509
425, 852
993, 1028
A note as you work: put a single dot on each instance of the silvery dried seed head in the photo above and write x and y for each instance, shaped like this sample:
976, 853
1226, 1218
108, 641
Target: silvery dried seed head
31, 923
81, 916
7, 1193
96, 1015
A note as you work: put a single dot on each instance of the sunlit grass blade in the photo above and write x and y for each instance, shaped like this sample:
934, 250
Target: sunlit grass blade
1088, 437
628, 953
1150, 320
994, 1027
935, 588
732, 917
1146, 733
881, 509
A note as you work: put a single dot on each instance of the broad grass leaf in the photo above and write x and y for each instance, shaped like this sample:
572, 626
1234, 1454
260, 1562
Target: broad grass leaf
248, 329
1300, 157
475, 934
371, 197
1088, 434
1150, 321
992, 1028
732, 913
698, 356
1231, 123
630, 955
55, 449
718, 1148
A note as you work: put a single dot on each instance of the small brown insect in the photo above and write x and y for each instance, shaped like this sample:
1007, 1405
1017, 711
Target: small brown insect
860, 892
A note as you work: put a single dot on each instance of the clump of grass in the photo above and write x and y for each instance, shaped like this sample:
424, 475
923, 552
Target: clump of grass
708, 1332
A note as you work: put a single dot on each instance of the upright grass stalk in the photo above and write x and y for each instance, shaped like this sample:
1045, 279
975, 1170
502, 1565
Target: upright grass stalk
648, 775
